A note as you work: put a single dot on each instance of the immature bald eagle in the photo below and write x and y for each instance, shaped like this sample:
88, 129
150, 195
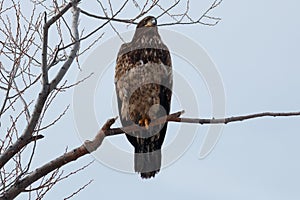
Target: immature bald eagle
143, 81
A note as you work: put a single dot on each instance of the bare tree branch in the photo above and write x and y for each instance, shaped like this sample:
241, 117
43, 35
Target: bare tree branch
63, 70
175, 117
90, 146
23, 140
232, 119
215, 20
70, 156
79, 189
98, 28
44, 52
128, 21
212, 20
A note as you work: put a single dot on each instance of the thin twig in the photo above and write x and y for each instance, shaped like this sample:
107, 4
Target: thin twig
128, 21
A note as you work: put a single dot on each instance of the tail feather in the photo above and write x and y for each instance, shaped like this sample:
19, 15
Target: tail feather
147, 164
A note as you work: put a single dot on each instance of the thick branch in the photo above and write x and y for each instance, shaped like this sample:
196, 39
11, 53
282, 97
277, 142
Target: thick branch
90, 146
44, 52
63, 70
46, 27
70, 156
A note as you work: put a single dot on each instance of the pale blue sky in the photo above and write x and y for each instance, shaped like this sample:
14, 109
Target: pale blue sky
256, 50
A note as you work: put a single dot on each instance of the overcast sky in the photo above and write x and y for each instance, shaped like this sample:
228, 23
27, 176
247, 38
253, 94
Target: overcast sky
255, 49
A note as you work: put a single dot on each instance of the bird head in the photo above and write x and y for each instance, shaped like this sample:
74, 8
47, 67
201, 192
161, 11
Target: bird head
148, 21
146, 30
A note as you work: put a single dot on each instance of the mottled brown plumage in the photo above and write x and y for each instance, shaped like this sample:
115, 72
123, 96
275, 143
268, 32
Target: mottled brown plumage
143, 81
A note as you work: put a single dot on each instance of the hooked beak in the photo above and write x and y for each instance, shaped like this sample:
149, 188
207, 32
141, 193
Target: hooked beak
151, 23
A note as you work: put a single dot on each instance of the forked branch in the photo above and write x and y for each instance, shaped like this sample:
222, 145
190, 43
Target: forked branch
24, 139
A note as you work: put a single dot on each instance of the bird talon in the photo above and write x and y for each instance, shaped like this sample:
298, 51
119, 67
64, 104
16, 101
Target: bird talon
147, 123
144, 122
